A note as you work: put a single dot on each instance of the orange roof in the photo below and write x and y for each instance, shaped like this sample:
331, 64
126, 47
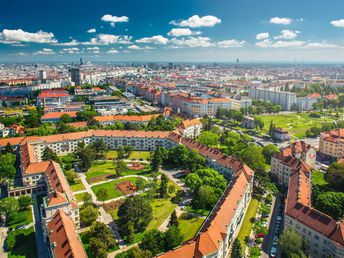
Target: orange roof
78, 124
144, 118
63, 235
56, 115
190, 122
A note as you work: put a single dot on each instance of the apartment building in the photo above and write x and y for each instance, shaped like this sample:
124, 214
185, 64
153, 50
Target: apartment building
289, 159
191, 128
56, 116
332, 144
285, 99
53, 98
324, 236
110, 120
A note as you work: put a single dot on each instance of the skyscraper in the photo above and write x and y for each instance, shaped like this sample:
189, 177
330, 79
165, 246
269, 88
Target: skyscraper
75, 75
81, 61
42, 75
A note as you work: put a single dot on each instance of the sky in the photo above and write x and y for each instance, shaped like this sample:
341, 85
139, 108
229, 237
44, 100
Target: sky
172, 30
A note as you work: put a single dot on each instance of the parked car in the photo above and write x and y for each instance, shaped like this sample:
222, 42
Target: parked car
20, 227
273, 251
260, 235
279, 219
275, 240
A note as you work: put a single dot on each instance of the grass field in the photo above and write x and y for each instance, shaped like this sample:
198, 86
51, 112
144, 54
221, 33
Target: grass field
77, 186
28, 218
100, 168
318, 178
79, 196
134, 155
297, 124
25, 244
189, 227
111, 187
247, 224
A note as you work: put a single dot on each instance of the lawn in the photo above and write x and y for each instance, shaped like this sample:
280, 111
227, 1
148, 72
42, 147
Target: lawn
318, 178
28, 218
100, 168
77, 186
134, 155
79, 196
297, 124
189, 227
247, 224
113, 192
25, 244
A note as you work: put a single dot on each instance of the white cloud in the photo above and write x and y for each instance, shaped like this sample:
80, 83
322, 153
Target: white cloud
280, 44
71, 50
92, 48
135, 47
114, 19
193, 42
112, 51
231, 43
153, 40
263, 35
74, 42
338, 23
177, 32
196, 21
288, 34
45, 51
92, 30
282, 21
106, 39
15, 36
318, 45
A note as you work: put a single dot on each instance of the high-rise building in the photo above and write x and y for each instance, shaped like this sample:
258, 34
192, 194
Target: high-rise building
42, 75
75, 75
81, 61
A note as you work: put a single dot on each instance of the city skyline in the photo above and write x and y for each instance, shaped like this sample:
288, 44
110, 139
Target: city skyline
192, 31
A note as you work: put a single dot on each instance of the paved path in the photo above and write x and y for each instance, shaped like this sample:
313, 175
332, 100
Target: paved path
124, 249
87, 186
41, 247
3, 235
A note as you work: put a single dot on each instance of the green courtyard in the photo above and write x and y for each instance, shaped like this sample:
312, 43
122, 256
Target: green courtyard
112, 154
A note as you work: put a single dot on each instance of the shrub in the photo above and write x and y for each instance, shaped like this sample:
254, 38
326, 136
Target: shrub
15, 218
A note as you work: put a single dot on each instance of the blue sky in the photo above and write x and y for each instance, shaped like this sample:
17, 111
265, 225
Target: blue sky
166, 30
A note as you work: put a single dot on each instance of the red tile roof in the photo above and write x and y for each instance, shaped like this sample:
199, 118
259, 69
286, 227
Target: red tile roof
144, 118
56, 115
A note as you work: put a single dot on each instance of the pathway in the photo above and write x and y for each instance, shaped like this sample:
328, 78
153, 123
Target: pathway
124, 249
42, 251
3, 235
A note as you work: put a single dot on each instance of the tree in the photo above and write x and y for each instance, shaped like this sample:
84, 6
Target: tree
120, 167
268, 151
120, 152
24, 202
153, 241
71, 176
65, 118
100, 148
8, 205
137, 210
196, 161
253, 157
193, 181
135, 252
87, 199
237, 251
178, 156
128, 150
158, 157
86, 155
7, 167
98, 248
33, 119
103, 194
272, 129
88, 215
140, 183
335, 176
331, 203
8, 148
100, 231
205, 198
208, 138
163, 186
173, 219
290, 243
49, 154
172, 238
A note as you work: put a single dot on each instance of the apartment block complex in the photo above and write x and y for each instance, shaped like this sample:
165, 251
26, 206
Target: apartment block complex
332, 143
191, 128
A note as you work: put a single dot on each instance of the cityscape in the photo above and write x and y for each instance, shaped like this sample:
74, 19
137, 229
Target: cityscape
171, 129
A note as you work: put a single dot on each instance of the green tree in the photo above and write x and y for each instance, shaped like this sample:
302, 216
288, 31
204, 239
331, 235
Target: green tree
88, 215
153, 241
204, 198
253, 157
196, 161
193, 181
120, 152
173, 220
87, 199
268, 151
24, 202
120, 167
98, 249
8, 205
208, 138
331, 203
163, 186
49, 154
237, 251
259, 123
86, 155
290, 243
130, 232
7, 167
172, 238
71, 176
335, 176
128, 150
178, 156
65, 118
103, 233
135, 252
140, 183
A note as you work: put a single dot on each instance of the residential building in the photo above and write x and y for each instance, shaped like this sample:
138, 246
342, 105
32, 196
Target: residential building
191, 128
55, 117
75, 75
281, 134
53, 98
306, 103
248, 122
332, 143
289, 159
239, 101
110, 120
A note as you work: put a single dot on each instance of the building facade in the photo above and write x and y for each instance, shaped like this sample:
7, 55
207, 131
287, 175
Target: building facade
332, 144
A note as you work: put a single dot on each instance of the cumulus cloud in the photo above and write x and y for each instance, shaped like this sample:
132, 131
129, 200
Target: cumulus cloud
106, 39
158, 39
45, 51
71, 50
74, 42
135, 47
112, 51
196, 21
338, 23
231, 43
16, 36
282, 21
193, 42
263, 35
92, 48
177, 32
114, 19
92, 30
288, 34
280, 44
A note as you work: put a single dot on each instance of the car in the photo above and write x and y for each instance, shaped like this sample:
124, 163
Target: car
274, 242
20, 227
140, 159
273, 251
279, 218
259, 235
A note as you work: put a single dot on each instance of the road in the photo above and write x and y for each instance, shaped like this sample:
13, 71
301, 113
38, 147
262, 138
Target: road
42, 251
